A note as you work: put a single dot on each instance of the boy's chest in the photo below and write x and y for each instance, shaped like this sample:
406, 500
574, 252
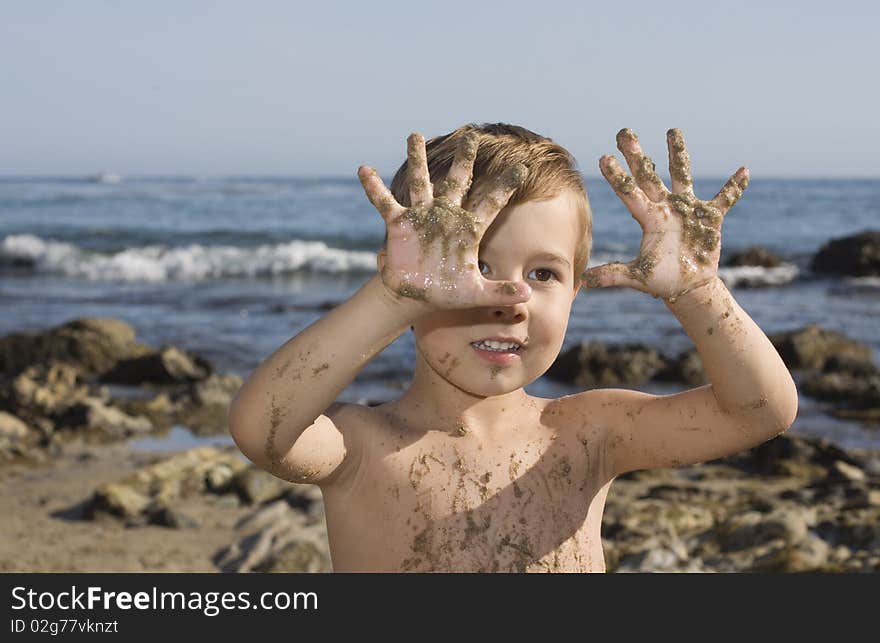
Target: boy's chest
459, 503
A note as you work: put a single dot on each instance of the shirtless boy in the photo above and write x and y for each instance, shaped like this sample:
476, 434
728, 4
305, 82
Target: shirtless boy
488, 234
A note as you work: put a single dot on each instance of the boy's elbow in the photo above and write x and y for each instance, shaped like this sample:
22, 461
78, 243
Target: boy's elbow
785, 413
242, 433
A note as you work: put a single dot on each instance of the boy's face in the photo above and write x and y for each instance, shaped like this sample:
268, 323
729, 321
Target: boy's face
536, 242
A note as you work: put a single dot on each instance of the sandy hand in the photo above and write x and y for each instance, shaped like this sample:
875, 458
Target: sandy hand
681, 241
432, 248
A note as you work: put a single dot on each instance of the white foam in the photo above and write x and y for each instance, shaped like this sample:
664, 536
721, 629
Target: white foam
734, 276
194, 262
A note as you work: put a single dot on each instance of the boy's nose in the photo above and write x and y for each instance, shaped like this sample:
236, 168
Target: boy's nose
509, 314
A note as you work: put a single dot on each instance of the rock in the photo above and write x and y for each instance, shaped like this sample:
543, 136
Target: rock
809, 554
859, 531
11, 428
746, 513
219, 478
160, 484
847, 471
93, 414
166, 516
276, 538
791, 455
753, 256
92, 346
810, 347
595, 364
687, 368
169, 365
204, 406
46, 390
857, 255
255, 486
118, 500
752, 528
852, 395
299, 556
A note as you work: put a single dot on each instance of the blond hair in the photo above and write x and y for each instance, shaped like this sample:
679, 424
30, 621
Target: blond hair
552, 170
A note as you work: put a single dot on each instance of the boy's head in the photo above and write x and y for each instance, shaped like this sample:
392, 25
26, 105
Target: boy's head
552, 171
542, 236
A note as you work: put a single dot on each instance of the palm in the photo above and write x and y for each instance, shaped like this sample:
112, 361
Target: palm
432, 246
681, 242
434, 249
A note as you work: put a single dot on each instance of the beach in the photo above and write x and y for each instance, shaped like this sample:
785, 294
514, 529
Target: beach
134, 310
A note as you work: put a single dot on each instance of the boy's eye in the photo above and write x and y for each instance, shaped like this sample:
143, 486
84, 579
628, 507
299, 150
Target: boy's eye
484, 269
542, 274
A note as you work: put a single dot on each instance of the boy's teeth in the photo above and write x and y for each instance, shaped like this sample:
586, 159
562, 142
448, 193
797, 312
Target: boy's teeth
492, 345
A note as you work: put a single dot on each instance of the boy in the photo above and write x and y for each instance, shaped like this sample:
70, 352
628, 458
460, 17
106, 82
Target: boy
467, 472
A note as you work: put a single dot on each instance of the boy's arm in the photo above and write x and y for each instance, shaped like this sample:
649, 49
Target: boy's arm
752, 397
276, 417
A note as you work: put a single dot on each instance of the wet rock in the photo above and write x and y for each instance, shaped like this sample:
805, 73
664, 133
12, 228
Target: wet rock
164, 515
93, 414
255, 486
597, 364
686, 368
181, 475
752, 528
169, 365
45, 391
219, 478
204, 406
753, 256
91, 345
808, 554
847, 391
117, 499
277, 538
300, 556
793, 504
811, 347
11, 428
857, 255
789, 455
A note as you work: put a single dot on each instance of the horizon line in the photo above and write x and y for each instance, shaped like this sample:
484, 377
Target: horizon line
337, 177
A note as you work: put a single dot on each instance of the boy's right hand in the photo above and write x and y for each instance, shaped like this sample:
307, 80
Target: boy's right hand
432, 250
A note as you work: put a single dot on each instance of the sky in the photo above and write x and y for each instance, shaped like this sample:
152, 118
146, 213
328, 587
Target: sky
319, 88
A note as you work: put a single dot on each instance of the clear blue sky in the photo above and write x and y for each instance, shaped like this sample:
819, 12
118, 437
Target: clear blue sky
318, 88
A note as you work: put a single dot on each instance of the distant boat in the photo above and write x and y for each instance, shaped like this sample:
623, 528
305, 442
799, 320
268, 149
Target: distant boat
106, 177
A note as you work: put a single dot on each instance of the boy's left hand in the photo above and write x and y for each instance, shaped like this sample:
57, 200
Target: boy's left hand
681, 241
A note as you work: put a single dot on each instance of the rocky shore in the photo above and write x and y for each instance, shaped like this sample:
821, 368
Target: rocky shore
78, 499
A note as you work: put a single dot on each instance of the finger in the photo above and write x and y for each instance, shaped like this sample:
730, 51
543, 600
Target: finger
501, 293
379, 195
679, 162
494, 201
641, 166
458, 179
625, 187
420, 192
732, 190
610, 274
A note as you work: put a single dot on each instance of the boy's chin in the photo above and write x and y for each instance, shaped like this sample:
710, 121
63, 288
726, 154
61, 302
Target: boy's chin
495, 385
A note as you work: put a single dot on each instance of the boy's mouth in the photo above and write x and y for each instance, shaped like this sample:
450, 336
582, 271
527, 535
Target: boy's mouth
497, 350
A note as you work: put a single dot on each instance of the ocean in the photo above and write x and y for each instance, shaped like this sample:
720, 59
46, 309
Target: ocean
233, 267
